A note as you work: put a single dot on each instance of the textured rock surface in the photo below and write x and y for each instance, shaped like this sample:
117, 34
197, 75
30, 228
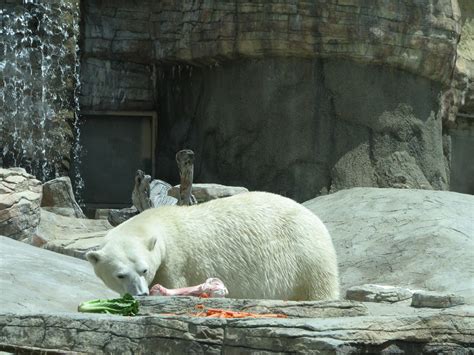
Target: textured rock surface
464, 69
378, 293
20, 198
69, 235
207, 192
38, 280
417, 36
418, 332
411, 238
435, 299
400, 170
58, 197
300, 126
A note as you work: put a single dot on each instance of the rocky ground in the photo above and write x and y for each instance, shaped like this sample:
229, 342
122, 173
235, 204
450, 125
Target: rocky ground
419, 241
339, 327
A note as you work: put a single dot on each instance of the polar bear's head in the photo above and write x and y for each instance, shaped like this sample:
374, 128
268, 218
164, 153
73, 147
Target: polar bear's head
128, 268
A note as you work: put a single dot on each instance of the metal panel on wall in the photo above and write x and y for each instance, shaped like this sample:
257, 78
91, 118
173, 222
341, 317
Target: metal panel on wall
114, 146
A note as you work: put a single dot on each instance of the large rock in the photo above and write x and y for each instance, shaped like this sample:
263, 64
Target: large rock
58, 197
20, 198
435, 299
37, 280
69, 235
412, 238
378, 293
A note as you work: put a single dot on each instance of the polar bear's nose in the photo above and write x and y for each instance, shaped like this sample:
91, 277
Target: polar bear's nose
143, 294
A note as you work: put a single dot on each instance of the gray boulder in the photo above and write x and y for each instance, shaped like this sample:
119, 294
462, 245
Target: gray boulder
20, 198
69, 235
436, 299
378, 293
58, 197
38, 280
418, 239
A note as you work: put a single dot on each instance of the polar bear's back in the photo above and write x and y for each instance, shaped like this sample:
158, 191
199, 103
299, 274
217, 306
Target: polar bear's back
261, 245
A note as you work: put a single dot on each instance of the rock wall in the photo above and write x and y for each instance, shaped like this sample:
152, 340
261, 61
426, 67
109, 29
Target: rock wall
462, 129
298, 98
416, 36
299, 126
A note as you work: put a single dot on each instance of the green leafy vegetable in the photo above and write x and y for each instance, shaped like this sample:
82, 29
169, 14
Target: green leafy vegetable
126, 306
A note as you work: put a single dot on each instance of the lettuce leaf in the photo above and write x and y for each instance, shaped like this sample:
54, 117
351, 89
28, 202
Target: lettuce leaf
126, 306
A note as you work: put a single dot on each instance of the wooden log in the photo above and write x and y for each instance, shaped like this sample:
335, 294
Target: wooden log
185, 161
141, 191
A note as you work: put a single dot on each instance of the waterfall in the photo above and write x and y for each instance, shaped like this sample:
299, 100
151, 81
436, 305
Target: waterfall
39, 80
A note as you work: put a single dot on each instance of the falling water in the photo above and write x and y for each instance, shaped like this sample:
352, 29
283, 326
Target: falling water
39, 80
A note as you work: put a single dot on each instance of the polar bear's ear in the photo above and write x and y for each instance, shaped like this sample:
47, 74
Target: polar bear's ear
152, 243
93, 257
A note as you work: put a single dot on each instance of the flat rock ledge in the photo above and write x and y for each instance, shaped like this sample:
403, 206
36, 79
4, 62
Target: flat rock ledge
335, 328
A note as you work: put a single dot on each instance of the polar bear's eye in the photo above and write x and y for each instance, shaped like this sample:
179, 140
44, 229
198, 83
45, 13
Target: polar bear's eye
144, 271
121, 276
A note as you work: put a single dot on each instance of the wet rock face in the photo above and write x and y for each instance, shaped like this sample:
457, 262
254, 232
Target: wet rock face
39, 52
20, 199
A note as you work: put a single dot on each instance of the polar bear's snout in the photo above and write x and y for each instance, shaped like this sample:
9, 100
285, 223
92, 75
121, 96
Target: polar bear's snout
138, 286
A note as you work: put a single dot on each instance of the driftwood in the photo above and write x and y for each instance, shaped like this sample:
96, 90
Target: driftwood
185, 161
141, 191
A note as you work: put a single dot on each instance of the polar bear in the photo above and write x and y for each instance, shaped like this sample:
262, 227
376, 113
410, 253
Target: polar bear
261, 245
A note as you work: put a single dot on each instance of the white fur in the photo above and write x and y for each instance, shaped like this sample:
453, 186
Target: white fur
260, 245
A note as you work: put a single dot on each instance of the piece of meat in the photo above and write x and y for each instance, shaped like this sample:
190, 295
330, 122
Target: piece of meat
213, 287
